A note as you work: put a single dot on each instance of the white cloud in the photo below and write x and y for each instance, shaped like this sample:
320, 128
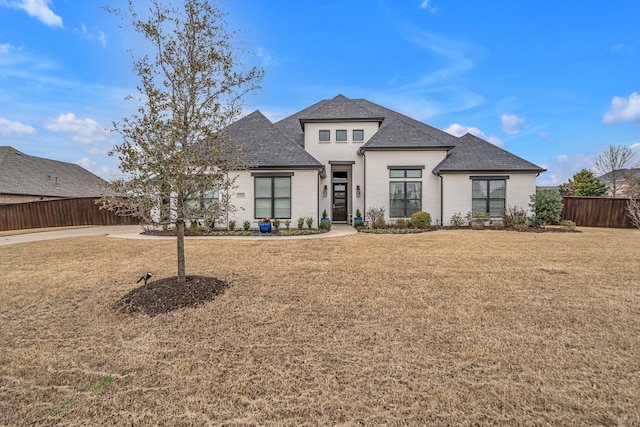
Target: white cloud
623, 110
98, 35
561, 158
85, 131
546, 136
511, 124
9, 128
93, 167
428, 7
39, 9
5, 48
459, 130
622, 47
267, 59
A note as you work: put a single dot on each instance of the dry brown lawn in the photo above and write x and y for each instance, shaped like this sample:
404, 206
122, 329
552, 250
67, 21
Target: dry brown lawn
448, 327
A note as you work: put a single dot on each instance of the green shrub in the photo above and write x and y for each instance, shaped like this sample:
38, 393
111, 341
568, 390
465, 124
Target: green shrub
358, 215
276, 223
246, 225
232, 225
300, 223
325, 224
401, 223
457, 220
324, 214
421, 219
309, 222
358, 223
568, 225
546, 207
287, 223
210, 223
193, 226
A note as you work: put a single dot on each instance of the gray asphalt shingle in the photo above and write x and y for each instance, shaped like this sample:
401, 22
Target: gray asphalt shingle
472, 154
21, 174
267, 146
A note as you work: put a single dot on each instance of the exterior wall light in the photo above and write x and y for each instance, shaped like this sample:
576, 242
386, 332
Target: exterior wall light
358, 191
324, 191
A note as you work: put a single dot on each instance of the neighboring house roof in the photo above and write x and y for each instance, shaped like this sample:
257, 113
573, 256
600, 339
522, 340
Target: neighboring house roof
267, 146
620, 174
472, 154
21, 174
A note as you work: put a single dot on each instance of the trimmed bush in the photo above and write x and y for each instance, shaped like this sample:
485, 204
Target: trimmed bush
421, 219
246, 225
325, 224
546, 207
401, 223
457, 220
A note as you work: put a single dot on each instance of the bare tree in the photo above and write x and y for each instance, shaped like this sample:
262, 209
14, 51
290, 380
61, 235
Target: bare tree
633, 211
613, 162
175, 154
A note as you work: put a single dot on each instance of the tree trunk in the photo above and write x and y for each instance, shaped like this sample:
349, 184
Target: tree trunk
182, 278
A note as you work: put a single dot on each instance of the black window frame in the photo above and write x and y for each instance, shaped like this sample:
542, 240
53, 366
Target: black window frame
488, 199
272, 197
326, 132
346, 135
353, 135
406, 201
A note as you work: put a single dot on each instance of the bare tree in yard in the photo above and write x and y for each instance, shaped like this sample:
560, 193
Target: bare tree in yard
175, 153
613, 162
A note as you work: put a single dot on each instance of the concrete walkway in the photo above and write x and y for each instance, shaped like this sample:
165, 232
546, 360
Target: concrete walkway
133, 232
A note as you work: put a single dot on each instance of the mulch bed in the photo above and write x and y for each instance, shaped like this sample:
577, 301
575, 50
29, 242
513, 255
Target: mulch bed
165, 295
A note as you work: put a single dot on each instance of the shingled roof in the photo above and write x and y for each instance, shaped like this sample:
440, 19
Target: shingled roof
267, 146
21, 174
396, 132
401, 133
472, 154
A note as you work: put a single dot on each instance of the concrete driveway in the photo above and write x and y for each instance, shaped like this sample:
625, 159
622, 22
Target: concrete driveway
133, 232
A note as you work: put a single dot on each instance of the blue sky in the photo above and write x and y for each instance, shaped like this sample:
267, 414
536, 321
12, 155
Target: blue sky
553, 82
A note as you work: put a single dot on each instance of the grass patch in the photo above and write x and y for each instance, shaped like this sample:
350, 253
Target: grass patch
448, 328
104, 382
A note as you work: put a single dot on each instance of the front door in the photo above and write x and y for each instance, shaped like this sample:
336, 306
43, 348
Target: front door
339, 201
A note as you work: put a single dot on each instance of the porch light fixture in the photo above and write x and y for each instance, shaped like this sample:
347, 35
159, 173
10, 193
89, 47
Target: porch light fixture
357, 191
324, 191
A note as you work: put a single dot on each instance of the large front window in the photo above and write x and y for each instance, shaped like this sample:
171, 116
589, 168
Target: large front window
489, 196
405, 198
273, 197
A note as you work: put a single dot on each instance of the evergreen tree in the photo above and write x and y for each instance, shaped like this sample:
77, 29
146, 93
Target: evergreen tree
585, 184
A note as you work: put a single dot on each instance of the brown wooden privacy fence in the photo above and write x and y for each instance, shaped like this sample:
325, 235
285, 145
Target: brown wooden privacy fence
58, 213
596, 212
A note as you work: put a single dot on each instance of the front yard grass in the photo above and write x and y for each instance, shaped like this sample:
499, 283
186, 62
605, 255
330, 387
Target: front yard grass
459, 327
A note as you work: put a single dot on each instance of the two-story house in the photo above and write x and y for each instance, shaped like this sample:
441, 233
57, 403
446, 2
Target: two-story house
344, 154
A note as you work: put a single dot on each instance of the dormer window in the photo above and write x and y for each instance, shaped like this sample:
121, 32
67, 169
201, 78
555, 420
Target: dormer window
341, 135
324, 135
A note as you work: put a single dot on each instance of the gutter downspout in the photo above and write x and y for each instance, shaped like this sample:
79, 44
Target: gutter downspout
441, 199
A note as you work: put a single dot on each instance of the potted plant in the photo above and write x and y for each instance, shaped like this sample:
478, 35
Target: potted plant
357, 220
325, 222
265, 225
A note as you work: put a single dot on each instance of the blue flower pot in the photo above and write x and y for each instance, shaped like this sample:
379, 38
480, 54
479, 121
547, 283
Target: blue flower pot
265, 227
